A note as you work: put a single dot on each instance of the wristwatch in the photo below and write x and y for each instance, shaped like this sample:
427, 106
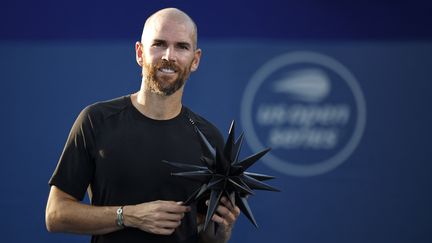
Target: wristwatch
119, 220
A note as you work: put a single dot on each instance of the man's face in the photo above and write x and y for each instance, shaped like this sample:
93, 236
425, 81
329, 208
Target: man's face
165, 77
168, 55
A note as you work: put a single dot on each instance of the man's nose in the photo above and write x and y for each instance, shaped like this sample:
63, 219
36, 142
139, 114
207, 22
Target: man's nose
169, 54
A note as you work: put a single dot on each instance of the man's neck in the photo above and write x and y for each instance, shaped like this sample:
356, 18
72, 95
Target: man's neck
157, 107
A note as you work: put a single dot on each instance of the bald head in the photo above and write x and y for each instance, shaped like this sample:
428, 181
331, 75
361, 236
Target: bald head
161, 17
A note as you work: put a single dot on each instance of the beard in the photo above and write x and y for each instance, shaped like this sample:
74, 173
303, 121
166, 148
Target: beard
164, 85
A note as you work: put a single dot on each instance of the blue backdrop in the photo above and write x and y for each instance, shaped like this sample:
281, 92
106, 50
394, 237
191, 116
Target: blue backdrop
344, 106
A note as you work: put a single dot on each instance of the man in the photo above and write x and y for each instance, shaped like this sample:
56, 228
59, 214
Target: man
115, 150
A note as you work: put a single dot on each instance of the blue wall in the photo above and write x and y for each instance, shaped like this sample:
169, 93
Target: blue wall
55, 59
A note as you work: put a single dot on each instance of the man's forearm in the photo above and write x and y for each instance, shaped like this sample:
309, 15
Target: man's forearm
64, 213
76, 217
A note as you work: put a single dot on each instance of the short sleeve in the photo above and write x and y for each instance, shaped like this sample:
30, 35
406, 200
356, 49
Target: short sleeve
75, 167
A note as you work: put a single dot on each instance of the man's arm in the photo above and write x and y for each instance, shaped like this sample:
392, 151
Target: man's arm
64, 213
225, 216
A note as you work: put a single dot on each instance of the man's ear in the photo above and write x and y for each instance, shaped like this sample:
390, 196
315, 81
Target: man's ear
196, 60
139, 53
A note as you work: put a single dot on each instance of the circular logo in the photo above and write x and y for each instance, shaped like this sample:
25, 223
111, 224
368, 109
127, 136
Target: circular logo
308, 108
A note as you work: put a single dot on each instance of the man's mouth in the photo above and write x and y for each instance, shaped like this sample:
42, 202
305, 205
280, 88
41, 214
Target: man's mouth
167, 70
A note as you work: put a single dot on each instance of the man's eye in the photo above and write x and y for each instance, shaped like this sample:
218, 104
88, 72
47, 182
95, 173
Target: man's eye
157, 44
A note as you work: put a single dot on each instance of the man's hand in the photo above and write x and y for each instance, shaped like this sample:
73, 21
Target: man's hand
226, 215
157, 217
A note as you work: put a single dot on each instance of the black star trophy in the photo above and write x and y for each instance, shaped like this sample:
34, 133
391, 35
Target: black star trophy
222, 174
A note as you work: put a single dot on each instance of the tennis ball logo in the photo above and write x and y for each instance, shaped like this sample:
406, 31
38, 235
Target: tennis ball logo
309, 108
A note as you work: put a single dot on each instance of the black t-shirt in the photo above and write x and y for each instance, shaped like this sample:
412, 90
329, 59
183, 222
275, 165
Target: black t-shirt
116, 152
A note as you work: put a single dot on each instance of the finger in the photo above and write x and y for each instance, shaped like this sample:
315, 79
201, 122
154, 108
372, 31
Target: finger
173, 207
218, 219
227, 203
226, 214
236, 212
163, 231
167, 224
178, 209
168, 216
188, 208
234, 209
